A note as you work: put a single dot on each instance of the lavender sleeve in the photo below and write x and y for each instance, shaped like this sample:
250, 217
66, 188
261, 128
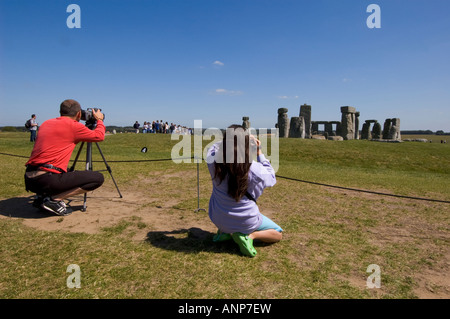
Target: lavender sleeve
261, 175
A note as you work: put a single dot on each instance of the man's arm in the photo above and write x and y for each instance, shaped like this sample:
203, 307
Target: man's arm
84, 134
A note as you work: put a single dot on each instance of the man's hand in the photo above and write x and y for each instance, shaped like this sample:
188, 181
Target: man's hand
98, 115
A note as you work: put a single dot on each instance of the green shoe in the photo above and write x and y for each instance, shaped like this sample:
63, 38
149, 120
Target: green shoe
245, 244
221, 237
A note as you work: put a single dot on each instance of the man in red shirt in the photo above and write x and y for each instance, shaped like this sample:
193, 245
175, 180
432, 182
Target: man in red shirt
46, 173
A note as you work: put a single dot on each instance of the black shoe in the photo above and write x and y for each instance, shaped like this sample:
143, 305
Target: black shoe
57, 207
38, 201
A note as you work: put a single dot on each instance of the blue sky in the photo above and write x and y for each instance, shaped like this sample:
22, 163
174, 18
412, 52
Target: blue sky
220, 60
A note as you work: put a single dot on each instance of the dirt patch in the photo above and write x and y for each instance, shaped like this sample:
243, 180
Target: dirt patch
143, 209
433, 283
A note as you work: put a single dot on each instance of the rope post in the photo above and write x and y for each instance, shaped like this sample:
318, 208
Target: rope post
198, 187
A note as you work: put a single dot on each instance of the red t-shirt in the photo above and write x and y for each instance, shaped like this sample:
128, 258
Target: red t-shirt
57, 139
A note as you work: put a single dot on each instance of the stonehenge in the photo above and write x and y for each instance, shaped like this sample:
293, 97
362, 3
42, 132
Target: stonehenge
376, 131
394, 129
357, 125
348, 122
283, 122
297, 127
391, 130
305, 112
328, 127
303, 127
386, 128
245, 122
367, 134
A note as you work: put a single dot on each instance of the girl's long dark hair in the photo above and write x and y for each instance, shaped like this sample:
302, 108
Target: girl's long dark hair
237, 168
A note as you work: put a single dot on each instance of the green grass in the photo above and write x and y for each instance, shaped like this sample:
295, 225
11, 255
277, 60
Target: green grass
415, 169
330, 235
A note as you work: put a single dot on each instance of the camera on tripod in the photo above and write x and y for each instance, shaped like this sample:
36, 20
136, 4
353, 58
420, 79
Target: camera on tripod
88, 117
91, 123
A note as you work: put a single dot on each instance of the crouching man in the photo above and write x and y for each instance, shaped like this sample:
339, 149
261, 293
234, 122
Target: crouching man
46, 173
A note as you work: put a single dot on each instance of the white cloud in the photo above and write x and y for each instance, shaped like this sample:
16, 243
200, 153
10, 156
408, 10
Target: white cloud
285, 97
227, 92
218, 63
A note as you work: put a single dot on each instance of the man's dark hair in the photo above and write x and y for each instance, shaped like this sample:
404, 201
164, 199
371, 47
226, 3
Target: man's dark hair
69, 108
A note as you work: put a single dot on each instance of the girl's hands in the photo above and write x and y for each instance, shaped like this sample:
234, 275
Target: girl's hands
256, 142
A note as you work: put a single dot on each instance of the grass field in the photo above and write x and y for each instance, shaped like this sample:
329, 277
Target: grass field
161, 248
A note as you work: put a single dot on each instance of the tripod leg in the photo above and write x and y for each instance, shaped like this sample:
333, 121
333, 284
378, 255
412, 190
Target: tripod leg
109, 169
84, 203
71, 169
88, 167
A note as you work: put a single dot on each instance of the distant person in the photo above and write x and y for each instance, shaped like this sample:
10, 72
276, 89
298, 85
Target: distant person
33, 128
46, 173
150, 127
237, 184
136, 126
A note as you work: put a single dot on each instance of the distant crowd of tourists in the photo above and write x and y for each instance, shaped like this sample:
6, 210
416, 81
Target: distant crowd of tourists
161, 127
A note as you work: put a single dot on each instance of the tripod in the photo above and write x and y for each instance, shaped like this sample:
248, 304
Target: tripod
89, 166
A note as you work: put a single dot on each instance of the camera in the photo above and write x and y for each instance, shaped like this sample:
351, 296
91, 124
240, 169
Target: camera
253, 144
88, 116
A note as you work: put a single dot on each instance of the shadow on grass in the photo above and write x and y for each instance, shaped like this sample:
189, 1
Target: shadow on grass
193, 240
22, 207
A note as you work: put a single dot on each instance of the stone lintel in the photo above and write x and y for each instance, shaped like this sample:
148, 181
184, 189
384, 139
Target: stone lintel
348, 109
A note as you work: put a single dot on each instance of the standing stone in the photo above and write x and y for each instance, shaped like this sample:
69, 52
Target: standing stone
283, 122
305, 111
365, 133
348, 122
245, 123
376, 131
314, 128
394, 132
329, 128
338, 129
297, 127
357, 125
387, 128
